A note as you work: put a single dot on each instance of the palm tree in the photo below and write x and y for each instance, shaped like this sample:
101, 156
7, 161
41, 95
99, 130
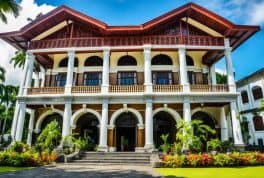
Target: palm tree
8, 6
20, 59
2, 74
8, 95
221, 78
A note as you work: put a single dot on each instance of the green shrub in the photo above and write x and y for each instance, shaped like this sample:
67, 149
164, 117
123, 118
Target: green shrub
18, 147
219, 160
214, 145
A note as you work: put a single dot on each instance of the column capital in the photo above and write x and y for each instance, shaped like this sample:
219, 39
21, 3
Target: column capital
106, 49
71, 53
182, 49
147, 48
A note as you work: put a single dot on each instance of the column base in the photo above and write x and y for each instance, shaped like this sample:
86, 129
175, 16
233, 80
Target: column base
186, 88
240, 147
112, 149
149, 148
67, 90
104, 89
139, 150
103, 148
148, 87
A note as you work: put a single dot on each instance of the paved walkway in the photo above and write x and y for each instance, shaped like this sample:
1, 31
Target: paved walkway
84, 171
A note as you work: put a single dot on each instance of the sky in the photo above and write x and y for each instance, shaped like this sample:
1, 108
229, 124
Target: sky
246, 59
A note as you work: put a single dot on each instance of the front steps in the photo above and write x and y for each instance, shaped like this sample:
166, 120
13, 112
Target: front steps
126, 158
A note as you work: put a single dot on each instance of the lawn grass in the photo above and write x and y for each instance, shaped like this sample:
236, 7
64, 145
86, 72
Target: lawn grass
236, 172
4, 169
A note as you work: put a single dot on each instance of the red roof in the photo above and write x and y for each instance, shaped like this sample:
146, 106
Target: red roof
237, 33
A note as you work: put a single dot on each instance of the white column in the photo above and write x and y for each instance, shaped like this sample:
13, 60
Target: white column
213, 75
42, 70
147, 69
187, 110
103, 127
14, 121
29, 73
29, 57
237, 134
224, 126
21, 120
66, 126
105, 77
183, 70
229, 66
149, 145
36, 80
71, 56
31, 127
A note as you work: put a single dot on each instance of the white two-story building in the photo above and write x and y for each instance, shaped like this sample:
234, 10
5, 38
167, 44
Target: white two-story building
251, 106
131, 83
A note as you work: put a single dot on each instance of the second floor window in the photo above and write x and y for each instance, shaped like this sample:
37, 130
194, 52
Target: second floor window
244, 96
257, 92
258, 123
162, 78
127, 78
191, 77
92, 78
61, 79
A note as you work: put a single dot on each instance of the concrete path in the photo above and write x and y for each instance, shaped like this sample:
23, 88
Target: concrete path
84, 171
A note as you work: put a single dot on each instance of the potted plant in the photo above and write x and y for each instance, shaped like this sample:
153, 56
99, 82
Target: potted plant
214, 145
165, 147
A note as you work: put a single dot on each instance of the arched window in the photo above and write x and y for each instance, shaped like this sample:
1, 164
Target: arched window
257, 92
64, 62
93, 61
258, 123
161, 59
189, 61
244, 96
127, 61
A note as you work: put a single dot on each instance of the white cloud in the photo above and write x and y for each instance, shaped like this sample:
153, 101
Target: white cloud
257, 14
238, 11
220, 71
29, 10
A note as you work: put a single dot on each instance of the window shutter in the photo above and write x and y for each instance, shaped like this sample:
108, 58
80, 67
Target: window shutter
119, 78
154, 77
100, 78
135, 78
170, 78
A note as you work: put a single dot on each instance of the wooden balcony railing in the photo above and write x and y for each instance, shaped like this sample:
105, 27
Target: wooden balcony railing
167, 88
209, 88
126, 88
86, 89
127, 41
45, 90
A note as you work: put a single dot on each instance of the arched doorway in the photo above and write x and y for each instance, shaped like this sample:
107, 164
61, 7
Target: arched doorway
207, 120
126, 126
44, 121
48, 119
87, 127
164, 123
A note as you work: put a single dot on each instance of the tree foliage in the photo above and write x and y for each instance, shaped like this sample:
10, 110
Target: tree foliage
8, 6
221, 78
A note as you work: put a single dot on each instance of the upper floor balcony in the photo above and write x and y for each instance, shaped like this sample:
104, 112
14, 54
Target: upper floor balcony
127, 41
121, 89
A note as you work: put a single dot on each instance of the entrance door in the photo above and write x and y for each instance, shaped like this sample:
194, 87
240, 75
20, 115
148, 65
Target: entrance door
126, 132
164, 123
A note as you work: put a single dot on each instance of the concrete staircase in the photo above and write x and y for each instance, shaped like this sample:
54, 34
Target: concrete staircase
126, 158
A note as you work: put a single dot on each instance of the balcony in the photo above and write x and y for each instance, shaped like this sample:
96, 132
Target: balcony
127, 41
130, 89
86, 89
209, 88
45, 90
126, 88
167, 88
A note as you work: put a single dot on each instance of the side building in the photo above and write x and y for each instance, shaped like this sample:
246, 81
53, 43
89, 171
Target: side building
251, 105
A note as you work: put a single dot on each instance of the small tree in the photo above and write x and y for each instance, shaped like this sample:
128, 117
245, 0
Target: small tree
165, 147
49, 137
189, 140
